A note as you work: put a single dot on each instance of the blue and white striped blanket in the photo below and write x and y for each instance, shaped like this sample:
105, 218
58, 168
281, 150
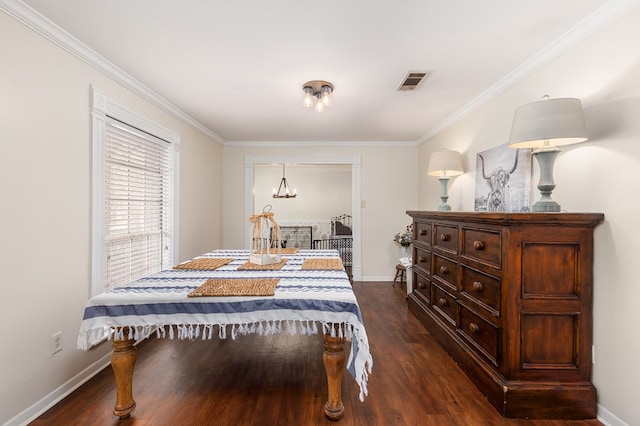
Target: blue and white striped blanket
305, 302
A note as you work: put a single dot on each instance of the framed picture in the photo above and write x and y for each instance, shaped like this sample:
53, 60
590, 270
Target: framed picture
503, 180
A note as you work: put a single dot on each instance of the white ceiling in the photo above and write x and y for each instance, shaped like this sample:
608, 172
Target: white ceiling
237, 67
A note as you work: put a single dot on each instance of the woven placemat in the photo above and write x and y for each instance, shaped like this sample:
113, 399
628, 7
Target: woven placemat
290, 250
204, 263
323, 263
236, 287
248, 266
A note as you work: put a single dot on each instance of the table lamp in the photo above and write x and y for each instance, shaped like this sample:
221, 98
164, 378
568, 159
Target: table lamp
445, 165
543, 125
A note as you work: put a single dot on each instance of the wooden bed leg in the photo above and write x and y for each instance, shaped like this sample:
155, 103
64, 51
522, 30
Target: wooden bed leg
123, 359
334, 362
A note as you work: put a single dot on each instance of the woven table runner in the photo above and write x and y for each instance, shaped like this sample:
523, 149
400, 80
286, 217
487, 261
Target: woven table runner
291, 250
236, 287
323, 263
248, 266
204, 263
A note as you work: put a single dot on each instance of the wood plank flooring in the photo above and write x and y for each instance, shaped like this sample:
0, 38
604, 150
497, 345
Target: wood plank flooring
280, 380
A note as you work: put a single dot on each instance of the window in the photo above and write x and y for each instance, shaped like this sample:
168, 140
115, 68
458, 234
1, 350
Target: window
134, 169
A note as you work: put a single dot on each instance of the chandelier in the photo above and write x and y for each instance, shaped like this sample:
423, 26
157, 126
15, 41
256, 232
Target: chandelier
284, 190
317, 94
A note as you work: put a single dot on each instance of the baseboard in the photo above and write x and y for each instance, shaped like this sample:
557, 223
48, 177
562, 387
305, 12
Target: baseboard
386, 278
607, 418
60, 393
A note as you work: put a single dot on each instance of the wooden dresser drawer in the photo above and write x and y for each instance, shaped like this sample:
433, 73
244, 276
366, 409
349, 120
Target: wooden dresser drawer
422, 260
446, 270
483, 246
422, 286
483, 335
423, 232
445, 237
445, 304
482, 289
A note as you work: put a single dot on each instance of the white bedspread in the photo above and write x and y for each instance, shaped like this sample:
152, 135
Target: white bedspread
305, 302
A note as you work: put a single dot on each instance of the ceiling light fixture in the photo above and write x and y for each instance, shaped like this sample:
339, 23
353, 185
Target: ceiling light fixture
283, 190
317, 94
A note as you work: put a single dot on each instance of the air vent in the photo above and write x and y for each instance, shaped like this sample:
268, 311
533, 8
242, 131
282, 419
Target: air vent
413, 80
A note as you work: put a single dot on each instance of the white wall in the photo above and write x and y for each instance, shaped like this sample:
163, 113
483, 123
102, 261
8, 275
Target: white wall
600, 175
389, 188
331, 181
46, 208
45, 255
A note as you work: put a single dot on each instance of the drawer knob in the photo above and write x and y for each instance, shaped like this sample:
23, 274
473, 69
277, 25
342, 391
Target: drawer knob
421, 284
474, 328
477, 286
445, 237
444, 270
442, 302
423, 232
422, 259
478, 245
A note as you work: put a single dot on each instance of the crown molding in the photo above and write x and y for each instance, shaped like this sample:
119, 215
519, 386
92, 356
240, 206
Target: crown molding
250, 160
43, 26
38, 23
271, 144
608, 13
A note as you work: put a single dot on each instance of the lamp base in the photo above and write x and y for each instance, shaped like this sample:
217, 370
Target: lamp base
546, 157
444, 182
545, 206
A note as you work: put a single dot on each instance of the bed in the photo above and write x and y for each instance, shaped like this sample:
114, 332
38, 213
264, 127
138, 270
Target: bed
307, 301
341, 239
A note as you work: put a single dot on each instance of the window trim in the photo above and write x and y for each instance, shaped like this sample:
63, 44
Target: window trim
101, 107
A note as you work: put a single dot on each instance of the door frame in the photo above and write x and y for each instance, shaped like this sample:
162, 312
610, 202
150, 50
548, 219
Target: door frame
354, 160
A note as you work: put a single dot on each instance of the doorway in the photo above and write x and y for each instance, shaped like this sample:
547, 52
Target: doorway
354, 161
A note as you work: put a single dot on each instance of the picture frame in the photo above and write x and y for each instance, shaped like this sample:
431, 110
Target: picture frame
503, 180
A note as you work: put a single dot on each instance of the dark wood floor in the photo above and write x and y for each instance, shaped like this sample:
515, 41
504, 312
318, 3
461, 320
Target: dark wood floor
279, 380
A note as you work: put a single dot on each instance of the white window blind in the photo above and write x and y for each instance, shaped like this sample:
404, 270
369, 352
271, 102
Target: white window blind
138, 209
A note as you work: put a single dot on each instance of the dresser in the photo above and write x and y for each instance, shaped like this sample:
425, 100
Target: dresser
509, 296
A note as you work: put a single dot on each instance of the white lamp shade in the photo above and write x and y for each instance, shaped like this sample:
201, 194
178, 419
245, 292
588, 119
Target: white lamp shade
445, 163
548, 122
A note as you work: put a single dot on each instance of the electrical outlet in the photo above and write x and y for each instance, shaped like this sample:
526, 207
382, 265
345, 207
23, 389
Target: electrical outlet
56, 342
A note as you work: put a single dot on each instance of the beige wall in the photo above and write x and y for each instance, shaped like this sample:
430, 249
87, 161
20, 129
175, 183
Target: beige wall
389, 183
46, 208
600, 175
332, 181
46, 198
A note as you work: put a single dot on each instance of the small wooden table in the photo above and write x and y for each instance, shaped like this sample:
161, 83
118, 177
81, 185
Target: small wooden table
400, 274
